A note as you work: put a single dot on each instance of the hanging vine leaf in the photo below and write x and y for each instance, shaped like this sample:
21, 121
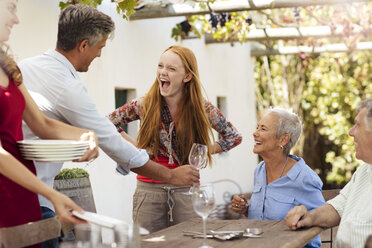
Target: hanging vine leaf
125, 8
94, 3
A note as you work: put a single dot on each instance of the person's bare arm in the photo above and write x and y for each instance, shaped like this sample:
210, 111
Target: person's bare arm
15, 171
183, 175
324, 216
180, 176
216, 148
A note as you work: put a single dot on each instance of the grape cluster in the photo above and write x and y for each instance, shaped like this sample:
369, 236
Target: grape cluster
249, 21
185, 27
296, 14
220, 18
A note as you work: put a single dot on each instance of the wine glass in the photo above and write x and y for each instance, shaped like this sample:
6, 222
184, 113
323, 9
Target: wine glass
198, 157
203, 199
87, 235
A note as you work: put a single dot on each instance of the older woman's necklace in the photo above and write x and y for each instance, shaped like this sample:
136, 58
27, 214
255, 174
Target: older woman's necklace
285, 164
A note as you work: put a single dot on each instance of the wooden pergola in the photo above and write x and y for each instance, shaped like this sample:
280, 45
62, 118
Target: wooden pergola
261, 34
185, 9
259, 50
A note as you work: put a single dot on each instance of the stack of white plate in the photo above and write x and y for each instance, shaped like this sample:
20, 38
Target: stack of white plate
52, 150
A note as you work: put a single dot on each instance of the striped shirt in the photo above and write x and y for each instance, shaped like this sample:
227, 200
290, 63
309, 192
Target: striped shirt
353, 204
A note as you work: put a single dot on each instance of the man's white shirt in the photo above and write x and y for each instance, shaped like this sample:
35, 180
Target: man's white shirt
354, 205
58, 91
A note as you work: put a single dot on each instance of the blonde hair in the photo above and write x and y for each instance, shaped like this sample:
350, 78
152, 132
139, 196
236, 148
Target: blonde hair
191, 122
8, 64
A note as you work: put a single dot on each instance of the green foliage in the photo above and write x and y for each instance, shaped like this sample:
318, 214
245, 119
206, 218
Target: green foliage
94, 3
72, 173
339, 82
203, 4
177, 32
124, 7
325, 90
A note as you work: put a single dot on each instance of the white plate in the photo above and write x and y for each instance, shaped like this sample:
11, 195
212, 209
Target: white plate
54, 144
104, 221
53, 149
54, 156
52, 153
55, 160
98, 219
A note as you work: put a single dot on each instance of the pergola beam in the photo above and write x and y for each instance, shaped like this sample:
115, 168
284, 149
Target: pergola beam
289, 33
172, 10
331, 48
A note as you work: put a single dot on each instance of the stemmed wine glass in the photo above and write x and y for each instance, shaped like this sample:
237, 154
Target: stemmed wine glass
198, 157
203, 199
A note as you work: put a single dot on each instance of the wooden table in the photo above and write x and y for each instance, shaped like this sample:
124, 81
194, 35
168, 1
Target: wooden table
276, 234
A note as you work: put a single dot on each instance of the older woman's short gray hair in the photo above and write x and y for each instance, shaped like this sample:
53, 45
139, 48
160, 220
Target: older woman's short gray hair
367, 103
288, 123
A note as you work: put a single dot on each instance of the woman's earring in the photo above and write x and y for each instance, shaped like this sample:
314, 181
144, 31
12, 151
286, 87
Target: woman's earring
281, 147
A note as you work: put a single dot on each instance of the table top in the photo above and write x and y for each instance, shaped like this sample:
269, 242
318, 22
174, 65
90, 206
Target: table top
275, 234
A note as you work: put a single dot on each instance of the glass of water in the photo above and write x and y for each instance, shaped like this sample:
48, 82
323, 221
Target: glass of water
203, 200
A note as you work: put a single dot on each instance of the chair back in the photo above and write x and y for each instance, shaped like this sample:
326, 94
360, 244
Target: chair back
368, 242
30, 234
329, 194
328, 235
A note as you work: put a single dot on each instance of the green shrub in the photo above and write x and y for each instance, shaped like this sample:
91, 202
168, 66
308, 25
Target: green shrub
72, 173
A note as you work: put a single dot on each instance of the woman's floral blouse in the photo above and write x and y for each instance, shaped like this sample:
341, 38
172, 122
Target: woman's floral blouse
133, 110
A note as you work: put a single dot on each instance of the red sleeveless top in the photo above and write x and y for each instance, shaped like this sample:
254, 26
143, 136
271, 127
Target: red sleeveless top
17, 204
163, 161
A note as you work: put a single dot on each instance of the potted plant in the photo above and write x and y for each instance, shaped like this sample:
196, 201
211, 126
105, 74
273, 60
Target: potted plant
75, 184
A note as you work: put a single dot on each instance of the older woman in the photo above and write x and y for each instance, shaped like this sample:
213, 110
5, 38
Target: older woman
281, 180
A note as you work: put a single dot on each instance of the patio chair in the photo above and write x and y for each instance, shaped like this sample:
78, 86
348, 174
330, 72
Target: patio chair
329, 234
368, 242
30, 233
223, 187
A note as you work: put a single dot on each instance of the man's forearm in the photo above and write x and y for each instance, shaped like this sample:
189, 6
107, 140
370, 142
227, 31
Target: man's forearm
180, 176
325, 216
154, 171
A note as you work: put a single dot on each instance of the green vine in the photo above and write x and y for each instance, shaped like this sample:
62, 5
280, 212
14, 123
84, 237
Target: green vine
125, 8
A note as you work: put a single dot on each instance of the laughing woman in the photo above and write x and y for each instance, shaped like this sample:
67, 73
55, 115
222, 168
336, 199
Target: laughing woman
281, 180
173, 115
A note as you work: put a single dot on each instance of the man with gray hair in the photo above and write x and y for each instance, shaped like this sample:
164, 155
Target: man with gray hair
54, 84
351, 209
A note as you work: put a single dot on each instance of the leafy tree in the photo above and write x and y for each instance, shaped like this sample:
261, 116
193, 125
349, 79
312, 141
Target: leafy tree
325, 90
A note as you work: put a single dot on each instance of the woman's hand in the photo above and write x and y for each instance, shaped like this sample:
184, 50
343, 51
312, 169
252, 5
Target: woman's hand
92, 152
239, 204
63, 206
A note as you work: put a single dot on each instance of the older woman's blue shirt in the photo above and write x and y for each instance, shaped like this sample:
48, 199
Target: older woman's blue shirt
301, 186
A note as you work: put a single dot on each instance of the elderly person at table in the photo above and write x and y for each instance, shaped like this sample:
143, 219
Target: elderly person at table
351, 209
281, 180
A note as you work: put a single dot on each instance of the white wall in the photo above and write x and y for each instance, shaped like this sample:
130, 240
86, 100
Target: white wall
129, 61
